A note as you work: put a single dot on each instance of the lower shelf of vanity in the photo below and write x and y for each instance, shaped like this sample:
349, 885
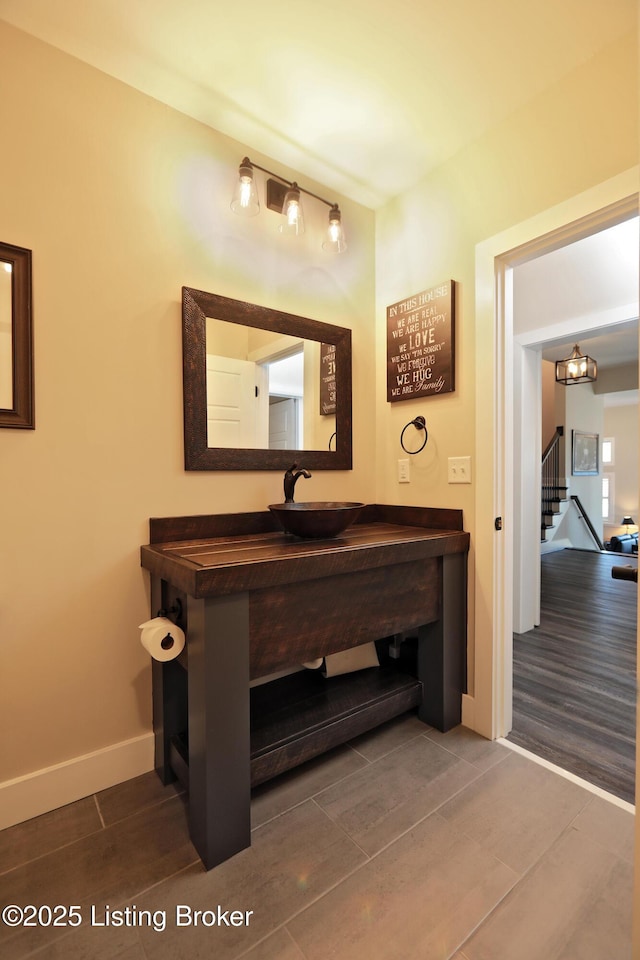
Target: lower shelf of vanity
303, 715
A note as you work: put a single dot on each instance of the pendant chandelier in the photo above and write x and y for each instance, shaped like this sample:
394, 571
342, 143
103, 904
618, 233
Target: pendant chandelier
578, 368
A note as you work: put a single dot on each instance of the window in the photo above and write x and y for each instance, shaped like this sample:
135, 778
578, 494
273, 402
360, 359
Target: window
607, 496
608, 451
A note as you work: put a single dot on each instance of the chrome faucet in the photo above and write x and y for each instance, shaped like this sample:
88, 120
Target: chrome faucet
290, 479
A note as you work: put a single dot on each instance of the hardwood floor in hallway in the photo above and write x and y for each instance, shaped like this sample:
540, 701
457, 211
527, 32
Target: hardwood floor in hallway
574, 676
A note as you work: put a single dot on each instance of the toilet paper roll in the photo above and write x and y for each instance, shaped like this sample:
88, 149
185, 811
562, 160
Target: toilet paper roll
348, 661
314, 664
162, 638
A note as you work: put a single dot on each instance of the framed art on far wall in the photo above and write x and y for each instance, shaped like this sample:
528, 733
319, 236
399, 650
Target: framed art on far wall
584, 454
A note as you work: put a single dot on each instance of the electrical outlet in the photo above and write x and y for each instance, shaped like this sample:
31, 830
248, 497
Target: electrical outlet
459, 470
403, 471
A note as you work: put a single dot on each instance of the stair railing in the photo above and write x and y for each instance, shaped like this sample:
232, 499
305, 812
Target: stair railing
586, 519
551, 463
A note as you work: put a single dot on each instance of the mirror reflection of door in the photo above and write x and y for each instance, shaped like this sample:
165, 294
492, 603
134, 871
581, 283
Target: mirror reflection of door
283, 425
237, 403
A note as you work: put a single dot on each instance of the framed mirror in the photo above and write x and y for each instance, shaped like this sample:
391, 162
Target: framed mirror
262, 388
16, 338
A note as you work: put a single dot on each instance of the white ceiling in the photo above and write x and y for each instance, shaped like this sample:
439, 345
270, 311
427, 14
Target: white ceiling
589, 289
364, 96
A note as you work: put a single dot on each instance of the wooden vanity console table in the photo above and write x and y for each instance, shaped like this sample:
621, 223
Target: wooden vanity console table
254, 601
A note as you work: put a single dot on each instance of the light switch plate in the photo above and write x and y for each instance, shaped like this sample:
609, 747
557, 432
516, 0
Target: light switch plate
459, 470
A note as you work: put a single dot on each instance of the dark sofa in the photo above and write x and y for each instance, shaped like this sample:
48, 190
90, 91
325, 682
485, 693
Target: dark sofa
625, 543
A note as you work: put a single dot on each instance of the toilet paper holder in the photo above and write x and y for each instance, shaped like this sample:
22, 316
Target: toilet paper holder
162, 637
175, 610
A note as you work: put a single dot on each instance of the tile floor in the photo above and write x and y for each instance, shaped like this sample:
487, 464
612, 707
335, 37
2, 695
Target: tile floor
406, 844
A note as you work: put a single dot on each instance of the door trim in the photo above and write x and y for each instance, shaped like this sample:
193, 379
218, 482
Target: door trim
596, 209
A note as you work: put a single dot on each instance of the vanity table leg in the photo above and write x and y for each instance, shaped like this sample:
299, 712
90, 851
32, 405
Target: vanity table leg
442, 650
169, 713
169, 699
219, 726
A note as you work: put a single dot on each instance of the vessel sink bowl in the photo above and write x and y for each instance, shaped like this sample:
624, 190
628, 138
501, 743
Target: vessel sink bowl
316, 519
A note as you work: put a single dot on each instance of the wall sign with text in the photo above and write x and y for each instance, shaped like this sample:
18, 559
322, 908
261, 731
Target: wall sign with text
327, 378
421, 344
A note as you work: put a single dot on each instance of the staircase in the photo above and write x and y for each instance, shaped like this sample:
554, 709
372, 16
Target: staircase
556, 501
554, 491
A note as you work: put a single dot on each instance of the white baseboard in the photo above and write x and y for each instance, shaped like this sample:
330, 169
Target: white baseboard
551, 546
53, 787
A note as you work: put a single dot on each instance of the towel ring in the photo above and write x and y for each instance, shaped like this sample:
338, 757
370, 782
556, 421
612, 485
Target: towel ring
420, 424
334, 434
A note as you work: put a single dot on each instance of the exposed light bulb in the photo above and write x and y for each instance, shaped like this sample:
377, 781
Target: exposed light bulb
245, 191
245, 198
292, 210
335, 241
578, 366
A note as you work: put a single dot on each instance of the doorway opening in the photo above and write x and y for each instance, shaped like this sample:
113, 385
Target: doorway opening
286, 393
586, 291
574, 645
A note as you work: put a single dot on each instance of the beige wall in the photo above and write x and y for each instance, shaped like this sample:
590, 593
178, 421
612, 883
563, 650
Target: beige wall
123, 201
621, 423
584, 411
549, 418
617, 379
577, 134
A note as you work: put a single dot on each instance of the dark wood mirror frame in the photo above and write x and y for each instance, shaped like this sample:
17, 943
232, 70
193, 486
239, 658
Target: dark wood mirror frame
21, 414
197, 305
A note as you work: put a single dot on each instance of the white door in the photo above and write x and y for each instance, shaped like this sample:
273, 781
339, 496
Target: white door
283, 424
235, 404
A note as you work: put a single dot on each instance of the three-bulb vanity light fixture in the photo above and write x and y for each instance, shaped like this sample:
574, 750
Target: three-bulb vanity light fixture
283, 196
